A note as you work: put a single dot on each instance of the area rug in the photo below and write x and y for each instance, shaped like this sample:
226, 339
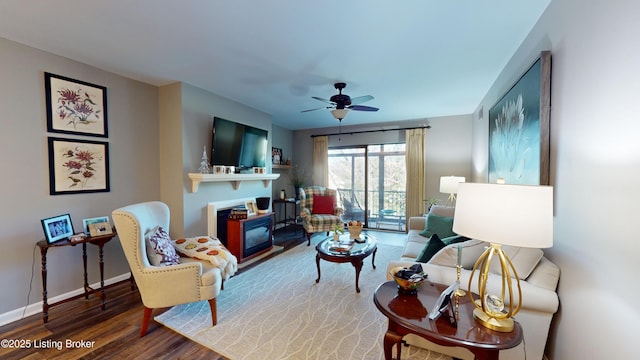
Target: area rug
275, 310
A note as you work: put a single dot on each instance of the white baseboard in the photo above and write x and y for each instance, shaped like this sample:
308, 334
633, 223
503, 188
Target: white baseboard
32, 309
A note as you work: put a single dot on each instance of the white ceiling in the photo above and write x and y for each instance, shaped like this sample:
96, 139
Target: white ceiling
418, 58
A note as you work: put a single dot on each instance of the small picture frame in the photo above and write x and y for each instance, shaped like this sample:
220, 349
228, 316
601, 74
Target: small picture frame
251, 207
57, 228
444, 301
276, 155
86, 222
100, 229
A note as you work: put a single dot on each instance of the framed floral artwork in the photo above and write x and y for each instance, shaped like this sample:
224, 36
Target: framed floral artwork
519, 129
78, 166
75, 107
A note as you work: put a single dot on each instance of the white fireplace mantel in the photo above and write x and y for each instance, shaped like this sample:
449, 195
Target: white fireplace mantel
212, 212
234, 179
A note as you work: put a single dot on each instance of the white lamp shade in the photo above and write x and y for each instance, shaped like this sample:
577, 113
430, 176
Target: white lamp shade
449, 184
517, 215
339, 113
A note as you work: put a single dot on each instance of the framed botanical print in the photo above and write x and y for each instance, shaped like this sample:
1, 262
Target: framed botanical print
78, 166
75, 107
519, 129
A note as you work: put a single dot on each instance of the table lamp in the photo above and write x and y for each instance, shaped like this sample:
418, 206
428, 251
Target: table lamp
449, 185
515, 215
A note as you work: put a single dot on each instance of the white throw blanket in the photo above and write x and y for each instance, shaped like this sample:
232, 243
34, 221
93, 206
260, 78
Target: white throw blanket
209, 249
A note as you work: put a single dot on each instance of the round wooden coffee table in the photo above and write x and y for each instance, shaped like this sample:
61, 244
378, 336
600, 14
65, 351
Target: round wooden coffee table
408, 314
344, 251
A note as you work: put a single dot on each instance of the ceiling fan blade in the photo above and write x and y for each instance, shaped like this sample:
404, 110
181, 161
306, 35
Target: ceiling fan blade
362, 108
320, 108
361, 99
323, 100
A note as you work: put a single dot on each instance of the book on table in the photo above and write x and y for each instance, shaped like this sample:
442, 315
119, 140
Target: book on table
341, 247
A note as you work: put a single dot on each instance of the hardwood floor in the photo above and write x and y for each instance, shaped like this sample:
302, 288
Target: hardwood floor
112, 333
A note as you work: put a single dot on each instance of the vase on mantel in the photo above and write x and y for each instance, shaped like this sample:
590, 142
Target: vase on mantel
297, 190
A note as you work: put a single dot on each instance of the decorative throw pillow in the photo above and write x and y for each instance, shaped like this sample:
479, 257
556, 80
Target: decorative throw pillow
448, 256
160, 250
454, 239
430, 248
441, 225
324, 204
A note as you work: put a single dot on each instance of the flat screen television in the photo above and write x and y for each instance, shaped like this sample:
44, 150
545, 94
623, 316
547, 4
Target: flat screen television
239, 145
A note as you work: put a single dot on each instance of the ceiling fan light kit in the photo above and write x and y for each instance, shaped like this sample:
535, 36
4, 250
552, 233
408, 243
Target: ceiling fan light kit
339, 114
342, 103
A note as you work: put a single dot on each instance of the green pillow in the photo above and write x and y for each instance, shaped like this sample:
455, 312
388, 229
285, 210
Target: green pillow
430, 248
441, 225
454, 239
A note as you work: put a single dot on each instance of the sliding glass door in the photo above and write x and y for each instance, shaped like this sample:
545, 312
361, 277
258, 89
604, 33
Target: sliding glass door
371, 182
347, 174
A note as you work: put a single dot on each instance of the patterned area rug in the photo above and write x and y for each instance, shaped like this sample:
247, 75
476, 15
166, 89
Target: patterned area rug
276, 310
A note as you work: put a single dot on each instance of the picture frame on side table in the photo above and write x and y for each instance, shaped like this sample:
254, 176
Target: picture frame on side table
100, 229
57, 228
519, 129
78, 166
87, 222
75, 107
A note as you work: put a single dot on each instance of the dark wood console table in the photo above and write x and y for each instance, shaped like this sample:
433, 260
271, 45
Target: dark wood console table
284, 203
408, 315
99, 241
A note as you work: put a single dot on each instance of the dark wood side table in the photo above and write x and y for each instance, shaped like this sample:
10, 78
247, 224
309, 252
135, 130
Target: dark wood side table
99, 241
285, 203
408, 315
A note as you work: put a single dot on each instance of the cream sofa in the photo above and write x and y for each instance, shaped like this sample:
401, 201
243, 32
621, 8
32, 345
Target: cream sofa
539, 279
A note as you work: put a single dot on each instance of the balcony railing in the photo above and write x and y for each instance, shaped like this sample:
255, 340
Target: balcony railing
386, 206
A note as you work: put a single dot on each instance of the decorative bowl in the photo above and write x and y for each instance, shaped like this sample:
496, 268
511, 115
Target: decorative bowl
355, 228
407, 285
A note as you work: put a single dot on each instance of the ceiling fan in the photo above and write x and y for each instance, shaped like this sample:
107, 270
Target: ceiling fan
342, 103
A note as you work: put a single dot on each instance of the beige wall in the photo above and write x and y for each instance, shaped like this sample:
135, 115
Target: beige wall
595, 161
24, 190
198, 107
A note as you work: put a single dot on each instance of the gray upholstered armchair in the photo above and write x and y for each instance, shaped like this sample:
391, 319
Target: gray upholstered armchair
318, 217
162, 286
